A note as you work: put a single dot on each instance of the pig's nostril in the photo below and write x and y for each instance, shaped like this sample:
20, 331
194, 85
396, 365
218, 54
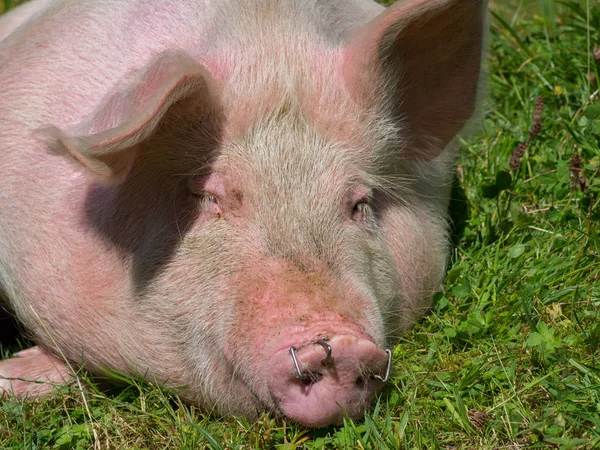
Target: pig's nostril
310, 378
361, 383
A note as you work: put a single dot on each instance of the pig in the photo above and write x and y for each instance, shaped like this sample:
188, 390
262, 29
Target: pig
243, 199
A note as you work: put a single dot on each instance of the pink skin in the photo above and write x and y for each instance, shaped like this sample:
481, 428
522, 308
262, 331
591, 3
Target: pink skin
333, 108
288, 307
32, 372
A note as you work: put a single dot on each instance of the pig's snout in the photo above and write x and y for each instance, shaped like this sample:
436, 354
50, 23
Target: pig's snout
318, 383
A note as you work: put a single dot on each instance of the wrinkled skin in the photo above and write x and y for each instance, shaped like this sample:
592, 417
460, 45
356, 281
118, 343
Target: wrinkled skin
187, 191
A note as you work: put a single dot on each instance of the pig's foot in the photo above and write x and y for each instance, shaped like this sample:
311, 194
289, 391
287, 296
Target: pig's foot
32, 373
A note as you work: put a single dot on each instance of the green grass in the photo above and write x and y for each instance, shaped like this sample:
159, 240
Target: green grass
5, 5
510, 355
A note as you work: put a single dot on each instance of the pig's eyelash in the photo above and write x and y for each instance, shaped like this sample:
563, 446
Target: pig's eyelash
209, 202
363, 213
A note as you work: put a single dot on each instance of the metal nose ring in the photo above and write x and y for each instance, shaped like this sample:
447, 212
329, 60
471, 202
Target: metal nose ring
387, 370
299, 373
293, 350
327, 348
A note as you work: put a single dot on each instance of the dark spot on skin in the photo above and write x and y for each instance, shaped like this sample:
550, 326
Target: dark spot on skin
239, 196
303, 267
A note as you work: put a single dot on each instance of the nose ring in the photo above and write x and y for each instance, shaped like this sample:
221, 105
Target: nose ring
299, 373
327, 348
387, 370
293, 351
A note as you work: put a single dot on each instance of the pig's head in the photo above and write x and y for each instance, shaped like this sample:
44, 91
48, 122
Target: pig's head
281, 210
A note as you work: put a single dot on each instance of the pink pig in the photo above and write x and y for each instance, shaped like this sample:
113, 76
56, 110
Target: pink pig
246, 198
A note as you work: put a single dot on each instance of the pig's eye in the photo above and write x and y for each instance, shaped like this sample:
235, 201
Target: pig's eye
210, 203
361, 211
207, 198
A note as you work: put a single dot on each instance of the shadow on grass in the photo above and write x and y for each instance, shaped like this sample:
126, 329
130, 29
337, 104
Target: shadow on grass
458, 212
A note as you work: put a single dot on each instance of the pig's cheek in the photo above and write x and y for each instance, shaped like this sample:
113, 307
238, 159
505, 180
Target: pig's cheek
207, 214
418, 247
253, 324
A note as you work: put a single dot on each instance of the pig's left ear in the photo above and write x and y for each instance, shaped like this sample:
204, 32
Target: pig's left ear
107, 142
420, 60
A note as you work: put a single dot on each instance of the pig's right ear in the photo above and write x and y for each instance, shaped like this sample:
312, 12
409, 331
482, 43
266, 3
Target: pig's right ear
107, 142
420, 60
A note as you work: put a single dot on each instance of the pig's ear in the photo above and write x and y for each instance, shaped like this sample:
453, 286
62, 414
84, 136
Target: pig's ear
420, 60
107, 142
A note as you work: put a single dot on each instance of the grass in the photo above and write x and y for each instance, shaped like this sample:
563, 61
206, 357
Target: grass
510, 355
5, 5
